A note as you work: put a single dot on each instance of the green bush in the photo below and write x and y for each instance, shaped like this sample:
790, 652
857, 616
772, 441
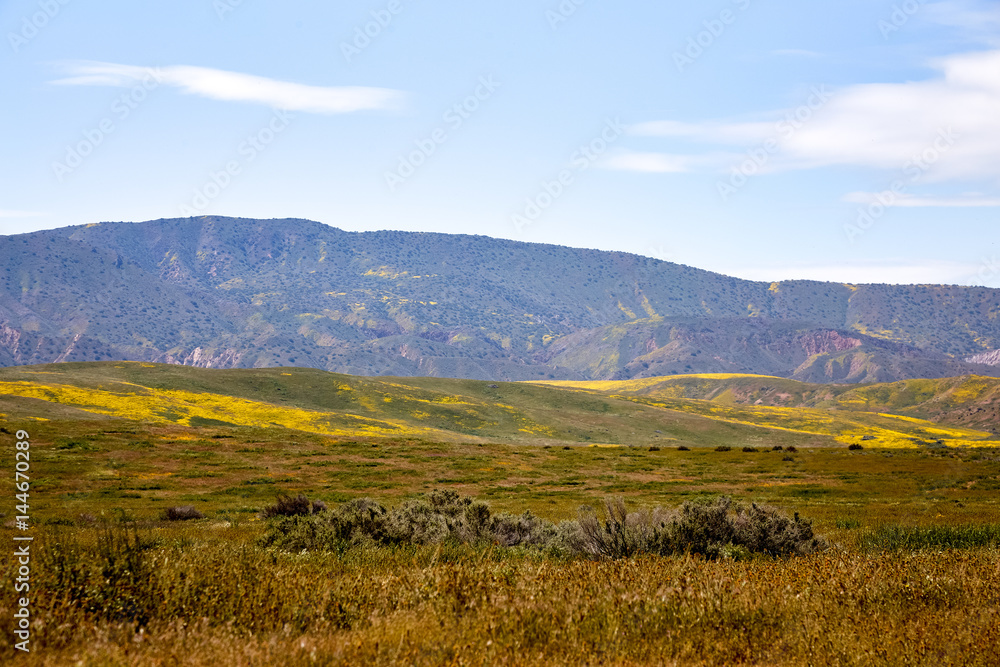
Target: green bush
712, 528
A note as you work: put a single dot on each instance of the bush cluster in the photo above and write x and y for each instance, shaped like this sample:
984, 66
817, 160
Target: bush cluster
718, 528
443, 516
286, 505
180, 513
712, 528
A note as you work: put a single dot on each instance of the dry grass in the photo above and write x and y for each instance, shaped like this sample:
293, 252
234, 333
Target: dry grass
218, 600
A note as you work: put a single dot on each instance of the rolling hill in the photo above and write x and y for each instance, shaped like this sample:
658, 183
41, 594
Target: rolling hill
639, 412
239, 293
970, 401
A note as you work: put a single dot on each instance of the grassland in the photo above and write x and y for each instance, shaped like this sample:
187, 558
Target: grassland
913, 576
630, 413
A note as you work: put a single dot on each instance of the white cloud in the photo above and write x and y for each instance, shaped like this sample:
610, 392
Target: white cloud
718, 132
911, 201
653, 163
882, 126
976, 19
235, 87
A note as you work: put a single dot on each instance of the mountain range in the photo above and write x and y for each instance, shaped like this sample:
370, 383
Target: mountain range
242, 293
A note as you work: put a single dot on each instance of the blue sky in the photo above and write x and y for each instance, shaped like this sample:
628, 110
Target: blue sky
850, 141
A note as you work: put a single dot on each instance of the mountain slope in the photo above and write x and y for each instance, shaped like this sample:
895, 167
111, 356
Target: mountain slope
238, 293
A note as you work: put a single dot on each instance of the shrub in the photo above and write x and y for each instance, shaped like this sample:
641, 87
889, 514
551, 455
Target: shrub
682, 448
791, 448
777, 448
181, 513
855, 446
700, 527
712, 528
723, 448
749, 449
763, 529
416, 522
286, 505
620, 535
507, 530
654, 448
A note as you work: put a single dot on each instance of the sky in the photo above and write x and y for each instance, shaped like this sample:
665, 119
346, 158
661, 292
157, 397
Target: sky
856, 141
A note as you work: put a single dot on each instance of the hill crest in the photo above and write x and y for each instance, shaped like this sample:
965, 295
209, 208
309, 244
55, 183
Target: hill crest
239, 293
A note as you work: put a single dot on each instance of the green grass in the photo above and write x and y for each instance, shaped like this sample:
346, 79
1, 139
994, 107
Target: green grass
905, 538
912, 576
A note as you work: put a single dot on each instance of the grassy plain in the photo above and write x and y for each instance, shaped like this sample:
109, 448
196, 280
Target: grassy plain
134, 440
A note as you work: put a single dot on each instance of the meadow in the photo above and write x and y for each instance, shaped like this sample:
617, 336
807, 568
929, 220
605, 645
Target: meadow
910, 575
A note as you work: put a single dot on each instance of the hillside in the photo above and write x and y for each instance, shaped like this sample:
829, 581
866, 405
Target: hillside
450, 410
238, 293
962, 401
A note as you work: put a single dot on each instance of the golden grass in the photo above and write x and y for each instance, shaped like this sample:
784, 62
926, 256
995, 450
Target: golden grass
221, 601
165, 406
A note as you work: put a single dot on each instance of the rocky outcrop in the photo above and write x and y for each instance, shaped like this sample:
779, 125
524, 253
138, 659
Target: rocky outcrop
987, 358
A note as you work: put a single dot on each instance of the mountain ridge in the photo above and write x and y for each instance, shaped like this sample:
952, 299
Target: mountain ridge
236, 292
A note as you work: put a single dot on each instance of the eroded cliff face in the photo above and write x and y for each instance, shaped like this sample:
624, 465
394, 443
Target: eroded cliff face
986, 358
826, 342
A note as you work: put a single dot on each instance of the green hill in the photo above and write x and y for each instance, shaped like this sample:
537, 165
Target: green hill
961, 401
640, 412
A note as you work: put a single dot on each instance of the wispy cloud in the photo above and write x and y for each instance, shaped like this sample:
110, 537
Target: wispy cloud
911, 201
978, 20
235, 87
653, 163
879, 126
713, 131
